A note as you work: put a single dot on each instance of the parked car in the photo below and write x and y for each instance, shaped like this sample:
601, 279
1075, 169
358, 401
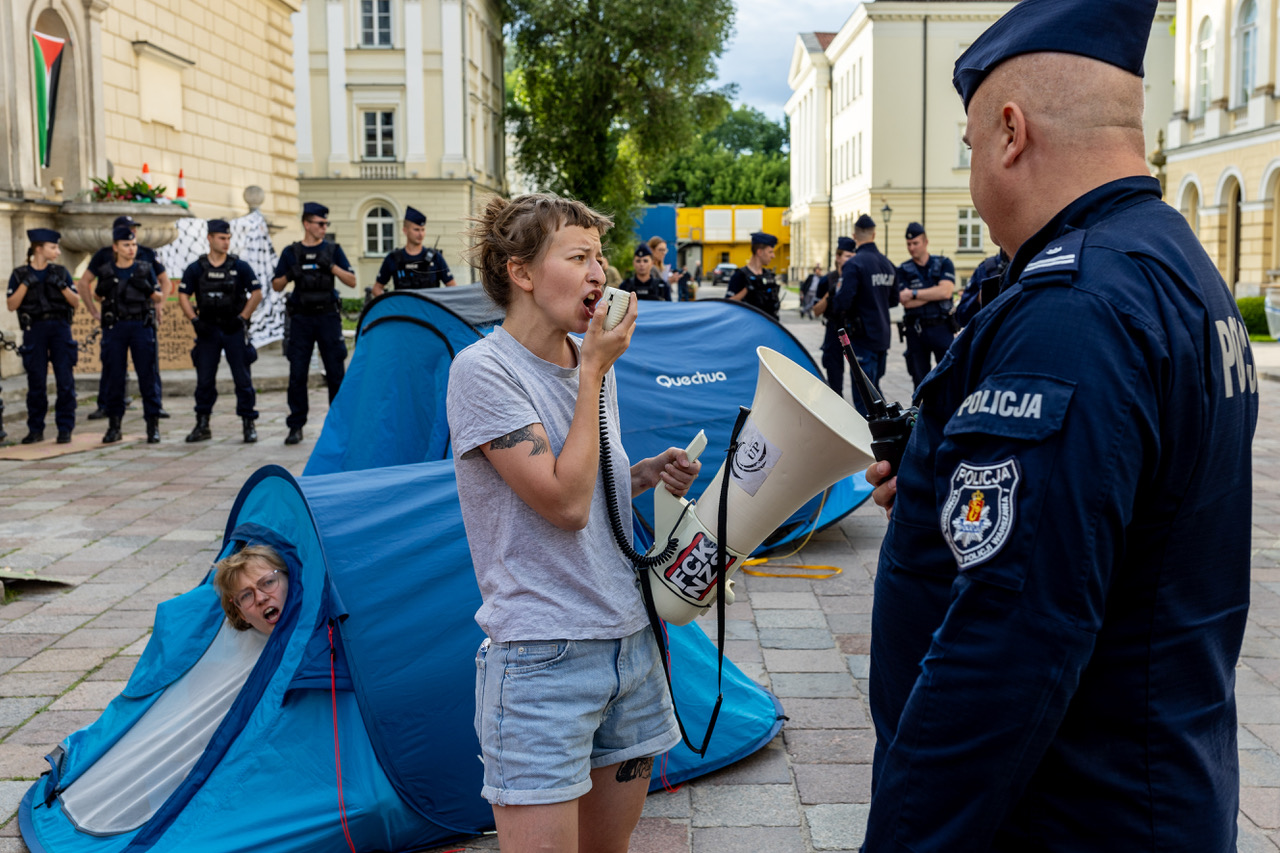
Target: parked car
722, 273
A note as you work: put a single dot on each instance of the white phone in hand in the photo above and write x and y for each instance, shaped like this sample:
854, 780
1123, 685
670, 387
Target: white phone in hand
619, 301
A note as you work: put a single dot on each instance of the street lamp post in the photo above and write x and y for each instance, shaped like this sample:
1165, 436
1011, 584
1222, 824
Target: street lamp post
885, 213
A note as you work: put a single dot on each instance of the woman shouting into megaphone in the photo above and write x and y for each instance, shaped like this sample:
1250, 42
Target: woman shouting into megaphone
571, 701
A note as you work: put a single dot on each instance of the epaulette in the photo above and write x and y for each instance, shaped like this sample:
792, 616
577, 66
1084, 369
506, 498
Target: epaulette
1057, 263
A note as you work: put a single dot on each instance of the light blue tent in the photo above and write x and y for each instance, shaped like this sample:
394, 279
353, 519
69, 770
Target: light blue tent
396, 585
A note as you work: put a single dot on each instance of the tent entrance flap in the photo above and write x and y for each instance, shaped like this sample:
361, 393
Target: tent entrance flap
125, 788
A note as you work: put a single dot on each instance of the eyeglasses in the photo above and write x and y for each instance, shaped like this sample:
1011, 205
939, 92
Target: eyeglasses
267, 585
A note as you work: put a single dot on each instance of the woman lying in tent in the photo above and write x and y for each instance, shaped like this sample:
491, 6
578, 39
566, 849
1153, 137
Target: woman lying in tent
123, 789
253, 584
571, 702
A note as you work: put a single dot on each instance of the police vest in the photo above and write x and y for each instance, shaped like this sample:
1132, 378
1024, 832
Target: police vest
762, 291
313, 277
933, 272
219, 290
43, 301
415, 274
130, 300
655, 289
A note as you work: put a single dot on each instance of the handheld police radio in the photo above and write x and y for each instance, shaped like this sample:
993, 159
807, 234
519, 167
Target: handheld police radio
889, 423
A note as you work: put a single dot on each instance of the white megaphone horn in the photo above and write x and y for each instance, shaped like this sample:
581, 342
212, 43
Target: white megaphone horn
800, 438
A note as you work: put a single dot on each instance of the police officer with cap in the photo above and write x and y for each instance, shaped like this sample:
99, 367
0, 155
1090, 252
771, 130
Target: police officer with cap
925, 285
128, 291
44, 296
1064, 583
824, 306
226, 293
866, 289
103, 257
413, 267
644, 281
314, 319
753, 283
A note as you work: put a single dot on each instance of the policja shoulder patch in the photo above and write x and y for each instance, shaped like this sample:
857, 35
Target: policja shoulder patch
978, 515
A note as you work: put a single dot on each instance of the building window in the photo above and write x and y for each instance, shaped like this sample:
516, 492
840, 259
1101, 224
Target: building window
962, 150
1204, 49
968, 230
379, 231
379, 135
375, 23
1247, 39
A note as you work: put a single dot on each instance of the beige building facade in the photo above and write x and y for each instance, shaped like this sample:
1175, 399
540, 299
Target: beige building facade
876, 124
1223, 143
174, 84
400, 105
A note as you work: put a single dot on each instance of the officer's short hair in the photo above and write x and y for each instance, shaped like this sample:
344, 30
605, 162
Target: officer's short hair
862, 235
520, 229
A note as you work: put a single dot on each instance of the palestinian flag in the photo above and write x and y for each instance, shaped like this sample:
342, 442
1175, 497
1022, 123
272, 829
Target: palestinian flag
48, 66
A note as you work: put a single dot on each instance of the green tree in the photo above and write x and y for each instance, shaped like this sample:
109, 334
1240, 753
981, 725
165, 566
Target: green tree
605, 92
743, 160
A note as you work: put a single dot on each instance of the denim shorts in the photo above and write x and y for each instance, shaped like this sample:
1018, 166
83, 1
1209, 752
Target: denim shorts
548, 712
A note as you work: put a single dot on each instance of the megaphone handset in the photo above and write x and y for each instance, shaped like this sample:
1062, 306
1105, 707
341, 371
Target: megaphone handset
889, 423
618, 301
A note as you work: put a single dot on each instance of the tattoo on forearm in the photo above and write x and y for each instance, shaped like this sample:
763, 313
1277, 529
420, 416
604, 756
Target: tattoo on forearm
636, 768
523, 434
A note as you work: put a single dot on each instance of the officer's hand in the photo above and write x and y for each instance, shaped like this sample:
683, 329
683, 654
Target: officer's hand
886, 486
904, 296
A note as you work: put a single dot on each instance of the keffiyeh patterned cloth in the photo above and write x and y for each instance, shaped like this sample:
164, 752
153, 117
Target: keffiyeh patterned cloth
251, 241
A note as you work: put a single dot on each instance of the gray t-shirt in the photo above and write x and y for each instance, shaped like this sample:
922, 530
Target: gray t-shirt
537, 581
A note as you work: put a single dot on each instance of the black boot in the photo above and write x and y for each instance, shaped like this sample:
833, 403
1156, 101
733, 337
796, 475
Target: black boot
201, 431
162, 414
153, 430
113, 431
33, 436
250, 433
295, 435
64, 436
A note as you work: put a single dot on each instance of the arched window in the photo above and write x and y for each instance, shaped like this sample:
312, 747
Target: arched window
1191, 208
1247, 45
1204, 52
379, 231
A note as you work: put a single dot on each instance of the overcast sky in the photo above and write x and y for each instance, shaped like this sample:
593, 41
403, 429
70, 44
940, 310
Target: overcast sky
759, 52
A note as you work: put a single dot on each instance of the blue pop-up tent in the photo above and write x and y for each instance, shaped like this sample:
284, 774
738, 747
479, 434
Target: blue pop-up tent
689, 367
380, 557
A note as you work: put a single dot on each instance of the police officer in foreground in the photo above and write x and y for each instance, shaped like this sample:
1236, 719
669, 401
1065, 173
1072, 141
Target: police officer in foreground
314, 319
989, 272
103, 257
753, 283
1064, 583
414, 267
644, 281
226, 292
128, 291
866, 288
44, 296
824, 306
925, 285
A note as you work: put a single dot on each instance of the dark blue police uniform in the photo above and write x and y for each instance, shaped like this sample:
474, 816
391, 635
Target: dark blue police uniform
128, 328
314, 321
971, 299
220, 293
929, 327
866, 289
45, 317
653, 290
832, 351
414, 272
762, 289
105, 257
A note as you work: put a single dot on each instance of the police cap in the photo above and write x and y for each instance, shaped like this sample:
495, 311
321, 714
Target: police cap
219, 226
414, 216
643, 251
121, 232
1108, 30
124, 220
914, 230
760, 238
312, 208
865, 223
846, 244
43, 235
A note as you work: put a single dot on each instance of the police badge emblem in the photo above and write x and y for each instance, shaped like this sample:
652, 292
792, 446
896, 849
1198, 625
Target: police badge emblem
977, 517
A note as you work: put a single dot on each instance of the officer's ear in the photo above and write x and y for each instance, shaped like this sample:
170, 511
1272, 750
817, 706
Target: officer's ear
1013, 134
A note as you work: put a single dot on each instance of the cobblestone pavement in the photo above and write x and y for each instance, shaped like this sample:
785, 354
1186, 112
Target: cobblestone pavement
137, 524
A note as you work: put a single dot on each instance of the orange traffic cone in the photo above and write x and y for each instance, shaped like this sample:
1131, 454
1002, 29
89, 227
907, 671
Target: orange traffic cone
182, 185
146, 174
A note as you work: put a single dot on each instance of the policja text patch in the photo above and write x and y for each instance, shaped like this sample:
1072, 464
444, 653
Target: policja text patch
978, 515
